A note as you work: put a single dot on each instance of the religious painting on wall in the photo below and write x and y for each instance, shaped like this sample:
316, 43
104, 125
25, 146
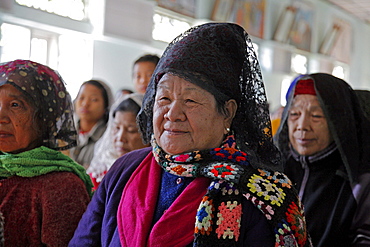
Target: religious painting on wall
222, 10
184, 7
285, 24
301, 33
250, 14
338, 41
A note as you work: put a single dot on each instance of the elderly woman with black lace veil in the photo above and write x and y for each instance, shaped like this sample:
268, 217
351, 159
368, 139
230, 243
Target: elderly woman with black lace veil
43, 192
210, 177
324, 136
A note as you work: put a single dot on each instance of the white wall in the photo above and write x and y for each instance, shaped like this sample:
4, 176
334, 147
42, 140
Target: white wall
113, 61
114, 52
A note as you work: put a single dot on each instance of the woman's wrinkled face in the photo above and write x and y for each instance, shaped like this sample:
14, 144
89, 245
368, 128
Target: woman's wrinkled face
142, 72
308, 128
185, 117
126, 133
18, 129
90, 103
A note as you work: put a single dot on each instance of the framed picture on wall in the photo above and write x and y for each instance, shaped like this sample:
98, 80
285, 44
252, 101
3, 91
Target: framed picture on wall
185, 7
301, 33
222, 9
330, 38
339, 41
250, 14
285, 24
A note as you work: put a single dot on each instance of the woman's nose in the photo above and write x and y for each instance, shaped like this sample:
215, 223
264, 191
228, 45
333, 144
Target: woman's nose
175, 112
84, 102
4, 118
144, 80
303, 122
121, 135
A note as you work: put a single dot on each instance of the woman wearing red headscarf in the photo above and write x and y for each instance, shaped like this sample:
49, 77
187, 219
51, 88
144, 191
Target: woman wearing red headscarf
324, 137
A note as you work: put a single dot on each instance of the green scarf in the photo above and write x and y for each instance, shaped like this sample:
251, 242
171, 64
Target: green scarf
40, 161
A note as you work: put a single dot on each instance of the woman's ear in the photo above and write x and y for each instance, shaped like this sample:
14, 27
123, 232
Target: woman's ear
230, 110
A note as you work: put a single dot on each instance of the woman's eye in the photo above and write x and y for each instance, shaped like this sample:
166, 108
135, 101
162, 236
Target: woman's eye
293, 115
189, 101
15, 104
317, 116
132, 131
163, 99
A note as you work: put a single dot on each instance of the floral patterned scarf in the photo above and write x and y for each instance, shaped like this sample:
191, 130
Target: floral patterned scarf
218, 219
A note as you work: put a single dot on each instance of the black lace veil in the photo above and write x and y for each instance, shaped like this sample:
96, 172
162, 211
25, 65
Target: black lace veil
44, 88
220, 58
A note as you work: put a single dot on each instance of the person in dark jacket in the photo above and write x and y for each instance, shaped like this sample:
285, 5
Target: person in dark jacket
324, 137
364, 99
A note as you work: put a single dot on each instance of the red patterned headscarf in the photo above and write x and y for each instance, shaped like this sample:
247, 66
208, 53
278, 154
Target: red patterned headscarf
45, 88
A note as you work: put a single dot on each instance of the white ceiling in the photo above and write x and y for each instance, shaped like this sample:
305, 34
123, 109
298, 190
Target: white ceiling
358, 8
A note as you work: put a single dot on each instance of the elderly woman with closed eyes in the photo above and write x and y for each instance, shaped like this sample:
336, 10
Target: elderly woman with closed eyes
43, 193
210, 176
324, 137
122, 136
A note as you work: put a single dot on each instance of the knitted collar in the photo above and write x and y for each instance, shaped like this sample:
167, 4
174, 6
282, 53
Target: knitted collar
206, 163
40, 161
218, 219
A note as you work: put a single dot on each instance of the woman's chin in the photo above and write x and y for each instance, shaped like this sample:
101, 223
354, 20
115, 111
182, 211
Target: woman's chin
176, 150
174, 144
121, 152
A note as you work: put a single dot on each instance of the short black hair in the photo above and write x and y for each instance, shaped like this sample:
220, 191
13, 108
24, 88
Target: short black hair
104, 92
99, 85
148, 58
127, 105
129, 91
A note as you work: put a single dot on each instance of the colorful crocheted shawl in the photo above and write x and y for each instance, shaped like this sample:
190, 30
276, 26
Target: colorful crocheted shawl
39, 161
218, 219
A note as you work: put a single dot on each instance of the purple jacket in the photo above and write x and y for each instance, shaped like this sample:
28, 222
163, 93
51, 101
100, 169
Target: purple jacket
98, 226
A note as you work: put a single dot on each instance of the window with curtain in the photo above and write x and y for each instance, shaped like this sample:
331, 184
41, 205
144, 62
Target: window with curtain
74, 9
69, 54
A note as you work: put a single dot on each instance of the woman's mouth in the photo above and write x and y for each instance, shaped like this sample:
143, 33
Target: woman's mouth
304, 141
4, 134
84, 111
175, 132
121, 150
